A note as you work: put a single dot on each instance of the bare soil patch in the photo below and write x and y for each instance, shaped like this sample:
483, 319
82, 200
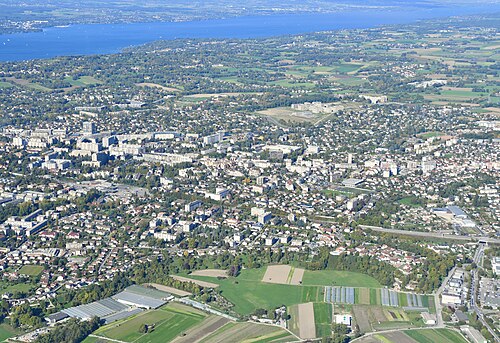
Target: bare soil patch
362, 318
297, 276
277, 274
307, 326
210, 273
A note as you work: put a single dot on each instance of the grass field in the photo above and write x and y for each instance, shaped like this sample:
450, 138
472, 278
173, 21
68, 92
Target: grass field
6, 331
323, 319
82, 81
338, 278
435, 336
5, 84
248, 293
31, 270
169, 322
20, 287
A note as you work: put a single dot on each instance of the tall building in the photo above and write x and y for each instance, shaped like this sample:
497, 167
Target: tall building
89, 128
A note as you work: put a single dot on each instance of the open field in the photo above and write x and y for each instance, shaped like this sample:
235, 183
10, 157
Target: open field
169, 322
307, 326
248, 332
5, 84
374, 318
288, 114
283, 274
20, 287
83, 81
416, 336
168, 289
338, 278
197, 333
277, 274
198, 282
31, 270
28, 84
248, 293
435, 336
6, 331
211, 272
323, 319
155, 85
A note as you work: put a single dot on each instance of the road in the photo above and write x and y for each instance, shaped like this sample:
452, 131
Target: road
430, 234
437, 300
474, 290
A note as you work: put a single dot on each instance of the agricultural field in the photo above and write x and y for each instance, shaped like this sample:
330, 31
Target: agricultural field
416, 336
247, 291
249, 332
375, 318
323, 319
302, 320
6, 331
169, 322
31, 270
283, 274
338, 278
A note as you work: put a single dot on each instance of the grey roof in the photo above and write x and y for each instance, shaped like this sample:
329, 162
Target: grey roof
147, 291
57, 316
121, 315
457, 211
138, 300
101, 308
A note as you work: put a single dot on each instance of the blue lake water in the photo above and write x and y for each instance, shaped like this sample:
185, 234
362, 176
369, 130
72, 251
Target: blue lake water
112, 38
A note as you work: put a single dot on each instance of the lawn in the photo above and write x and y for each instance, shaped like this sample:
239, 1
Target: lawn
20, 287
31, 270
248, 293
82, 81
338, 278
435, 336
169, 321
323, 319
6, 331
5, 84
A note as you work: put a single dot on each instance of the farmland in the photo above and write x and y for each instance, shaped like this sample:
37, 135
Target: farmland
323, 319
247, 291
338, 278
248, 332
168, 321
416, 336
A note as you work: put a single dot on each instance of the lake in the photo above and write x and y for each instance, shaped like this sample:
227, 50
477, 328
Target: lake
89, 39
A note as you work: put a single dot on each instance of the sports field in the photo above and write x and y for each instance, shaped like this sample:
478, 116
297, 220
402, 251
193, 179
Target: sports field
169, 322
31, 270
